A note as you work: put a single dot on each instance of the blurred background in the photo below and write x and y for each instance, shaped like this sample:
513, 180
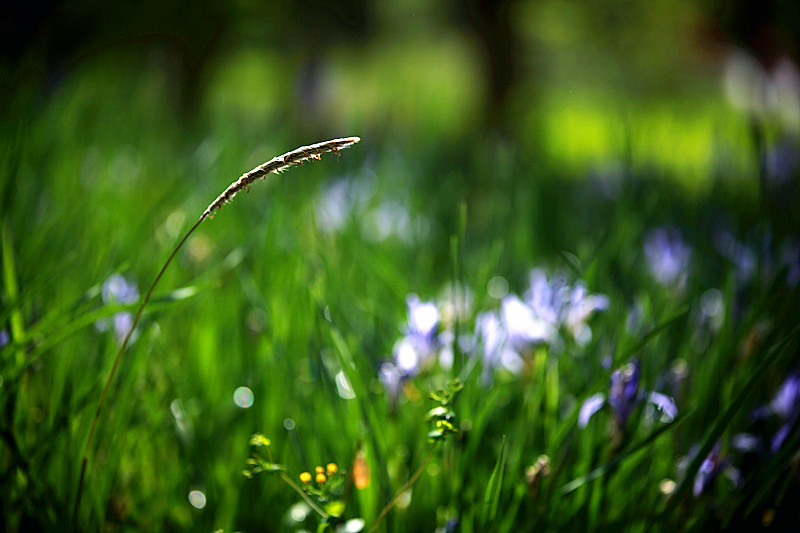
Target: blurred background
581, 87
496, 135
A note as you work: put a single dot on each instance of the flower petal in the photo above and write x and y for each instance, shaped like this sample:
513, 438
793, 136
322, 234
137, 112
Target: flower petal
665, 404
592, 404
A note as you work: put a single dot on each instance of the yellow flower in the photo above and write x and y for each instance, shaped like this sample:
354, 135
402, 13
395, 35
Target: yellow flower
259, 440
321, 478
332, 468
305, 477
319, 470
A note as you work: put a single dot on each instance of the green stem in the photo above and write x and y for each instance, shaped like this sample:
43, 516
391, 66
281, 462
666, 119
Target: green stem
299, 491
407, 486
114, 366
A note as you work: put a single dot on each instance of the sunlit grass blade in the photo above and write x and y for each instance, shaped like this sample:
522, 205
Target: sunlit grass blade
491, 498
11, 295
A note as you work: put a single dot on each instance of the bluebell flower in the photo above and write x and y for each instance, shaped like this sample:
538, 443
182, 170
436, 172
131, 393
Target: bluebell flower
117, 290
624, 397
667, 256
4, 337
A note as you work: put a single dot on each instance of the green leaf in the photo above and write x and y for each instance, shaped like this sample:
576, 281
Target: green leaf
491, 499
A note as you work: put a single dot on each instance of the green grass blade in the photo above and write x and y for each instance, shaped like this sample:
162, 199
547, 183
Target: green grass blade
491, 498
600, 471
721, 422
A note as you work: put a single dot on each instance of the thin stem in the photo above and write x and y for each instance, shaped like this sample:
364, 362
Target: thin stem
309, 501
114, 366
407, 486
275, 165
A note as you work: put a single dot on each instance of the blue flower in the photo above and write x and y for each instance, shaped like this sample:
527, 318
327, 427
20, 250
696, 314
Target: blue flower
419, 346
624, 397
667, 256
785, 406
498, 349
560, 305
117, 290
710, 468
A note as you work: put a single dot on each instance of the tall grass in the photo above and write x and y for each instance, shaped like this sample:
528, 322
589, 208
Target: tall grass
302, 296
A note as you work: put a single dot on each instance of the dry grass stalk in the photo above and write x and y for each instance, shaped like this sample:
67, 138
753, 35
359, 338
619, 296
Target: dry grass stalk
275, 165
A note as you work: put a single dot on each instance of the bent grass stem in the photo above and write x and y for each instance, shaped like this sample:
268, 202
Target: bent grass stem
275, 165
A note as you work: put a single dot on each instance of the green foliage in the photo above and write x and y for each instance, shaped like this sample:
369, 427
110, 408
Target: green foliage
304, 314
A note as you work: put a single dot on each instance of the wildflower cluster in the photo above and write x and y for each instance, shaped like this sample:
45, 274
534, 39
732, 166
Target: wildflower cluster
325, 484
322, 491
425, 341
550, 312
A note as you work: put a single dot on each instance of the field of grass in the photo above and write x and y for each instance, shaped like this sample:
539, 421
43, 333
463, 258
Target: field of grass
626, 343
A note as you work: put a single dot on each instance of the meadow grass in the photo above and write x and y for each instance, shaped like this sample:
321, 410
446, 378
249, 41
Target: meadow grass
302, 295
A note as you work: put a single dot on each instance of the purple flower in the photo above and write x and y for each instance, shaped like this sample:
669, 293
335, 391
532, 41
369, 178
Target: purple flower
4, 338
498, 349
392, 378
710, 468
558, 305
624, 397
117, 290
790, 258
786, 405
419, 346
742, 256
423, 317
667, 256
523, 325
503, 337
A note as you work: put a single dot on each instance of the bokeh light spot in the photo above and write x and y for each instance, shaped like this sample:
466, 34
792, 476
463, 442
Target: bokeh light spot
243, 397
197, 499
497, 287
